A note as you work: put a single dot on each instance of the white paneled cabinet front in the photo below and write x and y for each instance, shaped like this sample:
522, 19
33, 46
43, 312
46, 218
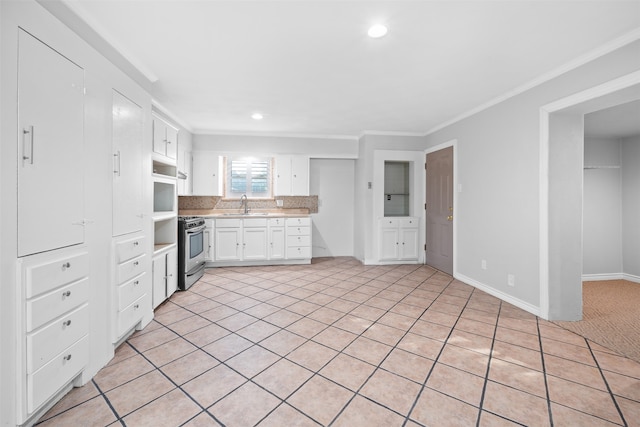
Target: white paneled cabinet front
131, 283
254, 239
208, 240
51, 148
54, 345
292, 175
165, 275
228, 239
277, 245
399, 239
206, 174
127, 159
165, 138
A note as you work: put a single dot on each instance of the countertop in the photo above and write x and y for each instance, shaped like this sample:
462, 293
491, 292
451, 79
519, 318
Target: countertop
238, 213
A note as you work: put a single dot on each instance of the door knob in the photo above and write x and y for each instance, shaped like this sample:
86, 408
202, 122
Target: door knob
450, 218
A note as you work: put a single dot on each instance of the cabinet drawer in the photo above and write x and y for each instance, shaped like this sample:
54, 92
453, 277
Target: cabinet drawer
129, 248
389, 222
130, 269
228, 222
49, 306
43, 345
131, 291
300, 252
276, 222
255, 222
409, 222
54, 273
298, 231
131, 315
298, 240
299, 221
54, 375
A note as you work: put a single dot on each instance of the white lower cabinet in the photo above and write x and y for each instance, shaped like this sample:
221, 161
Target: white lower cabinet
399, 239
262, 241
208, 240
131, 283
53, 346
298, 238
165, 275
277, 248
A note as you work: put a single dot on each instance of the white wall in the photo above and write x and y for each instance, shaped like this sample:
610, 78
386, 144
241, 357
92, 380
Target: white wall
332, 180
333, 148
602, 208
630, 150
499, 171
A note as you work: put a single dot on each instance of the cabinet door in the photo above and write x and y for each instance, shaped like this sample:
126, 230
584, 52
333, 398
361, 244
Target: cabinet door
227, 244
172, 143
206, 179
51, 149
159, 136
299, 176
127, 158
276, 243
172, 272
389, 244
159, 279
254, 244
208, 256
283, 176
409, 238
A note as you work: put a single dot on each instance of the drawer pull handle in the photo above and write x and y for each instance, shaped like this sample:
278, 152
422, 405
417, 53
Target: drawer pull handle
135, 243
136, 283
66, 294
66, 323
67, 357
137, 306
136, 263
66, 265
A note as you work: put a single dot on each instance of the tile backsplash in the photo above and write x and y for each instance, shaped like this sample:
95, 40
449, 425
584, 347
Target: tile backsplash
217, 202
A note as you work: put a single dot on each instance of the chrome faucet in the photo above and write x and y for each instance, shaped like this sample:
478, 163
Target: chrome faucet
244, 202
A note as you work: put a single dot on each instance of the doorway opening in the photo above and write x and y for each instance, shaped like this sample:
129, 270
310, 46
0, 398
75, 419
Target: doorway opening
561, 193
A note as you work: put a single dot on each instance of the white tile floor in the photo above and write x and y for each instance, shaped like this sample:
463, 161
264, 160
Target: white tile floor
342, 344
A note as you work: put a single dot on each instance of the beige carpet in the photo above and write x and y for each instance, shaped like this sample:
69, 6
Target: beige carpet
611, 316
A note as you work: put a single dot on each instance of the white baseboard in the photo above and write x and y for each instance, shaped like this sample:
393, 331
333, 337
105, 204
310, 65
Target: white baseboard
601, 276
610, 276
499, 294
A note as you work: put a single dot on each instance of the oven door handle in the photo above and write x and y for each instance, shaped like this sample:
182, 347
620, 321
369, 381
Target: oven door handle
195, 230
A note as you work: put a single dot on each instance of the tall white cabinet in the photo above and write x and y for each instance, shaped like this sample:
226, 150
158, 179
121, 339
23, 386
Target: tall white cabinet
51, 148
130, 262
53, 264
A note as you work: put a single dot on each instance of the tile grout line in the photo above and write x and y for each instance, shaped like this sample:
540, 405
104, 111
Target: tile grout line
486, 373
606, 383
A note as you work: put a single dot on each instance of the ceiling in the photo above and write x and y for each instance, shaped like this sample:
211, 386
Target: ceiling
621, 121
310, 68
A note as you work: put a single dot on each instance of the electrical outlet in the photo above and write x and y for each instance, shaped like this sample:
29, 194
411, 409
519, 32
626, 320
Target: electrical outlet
483, 264
511, 280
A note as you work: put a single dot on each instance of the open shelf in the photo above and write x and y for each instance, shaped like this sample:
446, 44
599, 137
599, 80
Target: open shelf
165, 233
164, 169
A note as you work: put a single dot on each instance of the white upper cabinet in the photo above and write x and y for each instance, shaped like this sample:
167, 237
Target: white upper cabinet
127, 159
207, 169
51, 149
165, 138
292, 176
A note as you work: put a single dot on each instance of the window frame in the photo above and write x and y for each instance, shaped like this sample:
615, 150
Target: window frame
249, 160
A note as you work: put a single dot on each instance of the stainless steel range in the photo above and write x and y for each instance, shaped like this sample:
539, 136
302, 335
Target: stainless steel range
190, 250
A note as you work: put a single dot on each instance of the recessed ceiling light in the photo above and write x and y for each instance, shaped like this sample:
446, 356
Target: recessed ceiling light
257, 116
377, 31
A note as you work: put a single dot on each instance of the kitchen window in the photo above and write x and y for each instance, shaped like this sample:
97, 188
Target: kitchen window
250, 176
